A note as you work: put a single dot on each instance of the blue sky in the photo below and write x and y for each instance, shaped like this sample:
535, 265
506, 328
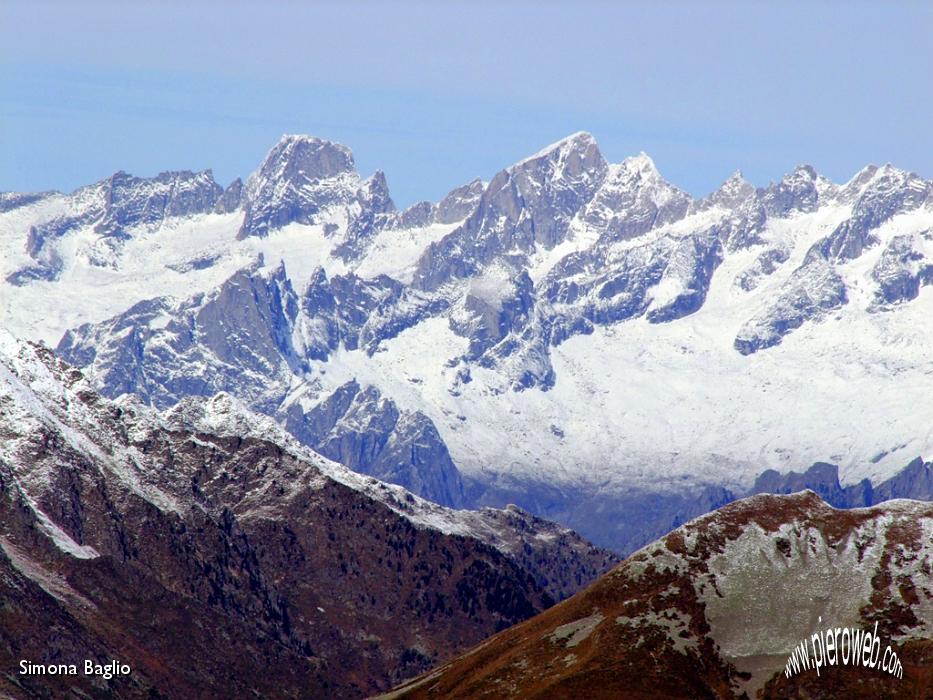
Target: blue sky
438, 93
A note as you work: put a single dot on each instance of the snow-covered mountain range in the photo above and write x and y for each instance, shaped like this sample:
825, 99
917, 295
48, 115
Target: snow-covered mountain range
578, 337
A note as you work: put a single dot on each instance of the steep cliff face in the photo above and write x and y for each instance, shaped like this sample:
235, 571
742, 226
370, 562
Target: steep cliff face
218, 557
715, 609
366, 432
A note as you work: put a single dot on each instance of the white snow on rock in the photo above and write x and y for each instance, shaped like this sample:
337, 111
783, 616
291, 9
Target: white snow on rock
669, 404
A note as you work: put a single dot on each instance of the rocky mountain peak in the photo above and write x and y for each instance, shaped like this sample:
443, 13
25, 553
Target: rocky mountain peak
130, 200
459, 202
803, 171
887, 180
114, 207
641, 165
15, 200
733, 193
299, 179
554, 183
639, 173
375, 193
632, 199
298, 157
527, 206
229, 201
798, 191
571, 157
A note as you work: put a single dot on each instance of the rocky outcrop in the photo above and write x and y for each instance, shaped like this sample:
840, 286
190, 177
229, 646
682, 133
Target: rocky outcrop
231, 199
459, 202
633, 199
812, 291
14, 200
799, 191
886, 193
133, 201
237, 338
902, 269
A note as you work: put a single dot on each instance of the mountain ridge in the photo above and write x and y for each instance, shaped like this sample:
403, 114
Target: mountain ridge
582, 307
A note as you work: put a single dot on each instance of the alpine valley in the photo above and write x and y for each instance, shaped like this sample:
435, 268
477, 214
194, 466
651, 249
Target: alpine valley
580, 338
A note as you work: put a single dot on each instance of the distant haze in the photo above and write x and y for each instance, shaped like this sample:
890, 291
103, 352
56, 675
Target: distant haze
438, 93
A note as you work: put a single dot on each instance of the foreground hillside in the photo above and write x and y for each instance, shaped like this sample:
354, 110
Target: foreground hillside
218, 558
714, 610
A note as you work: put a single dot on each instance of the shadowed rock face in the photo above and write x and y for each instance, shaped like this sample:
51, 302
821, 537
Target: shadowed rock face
14, 200
459, 203
714, 609
797, 191
368, 433
902, 270
130, 201
628, 523
234, 563
230, 200
238, 335
914, 481
814, 290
